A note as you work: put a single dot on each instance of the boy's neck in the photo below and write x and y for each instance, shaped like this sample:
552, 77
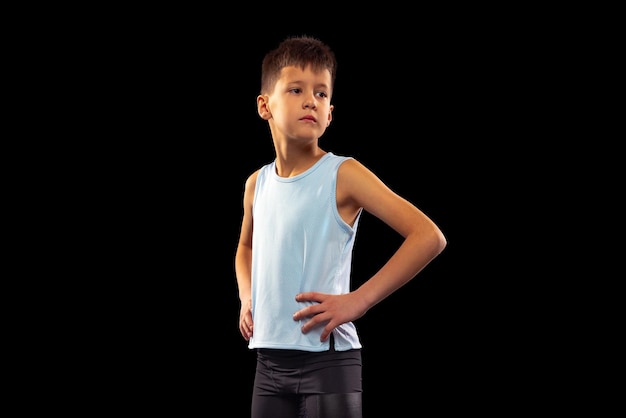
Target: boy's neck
290, 163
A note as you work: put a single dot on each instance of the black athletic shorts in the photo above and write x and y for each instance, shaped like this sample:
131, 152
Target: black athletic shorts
295, 383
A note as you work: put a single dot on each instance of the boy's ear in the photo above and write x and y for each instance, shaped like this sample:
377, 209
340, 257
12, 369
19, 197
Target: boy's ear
330, 115
262, 106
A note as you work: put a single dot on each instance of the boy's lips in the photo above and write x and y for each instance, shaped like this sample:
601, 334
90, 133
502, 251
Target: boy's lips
311, 118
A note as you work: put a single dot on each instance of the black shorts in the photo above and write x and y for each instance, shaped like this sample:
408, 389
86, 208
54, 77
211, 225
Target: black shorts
295, 383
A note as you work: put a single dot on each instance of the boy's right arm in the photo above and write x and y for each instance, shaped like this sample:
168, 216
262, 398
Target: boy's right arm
243, 261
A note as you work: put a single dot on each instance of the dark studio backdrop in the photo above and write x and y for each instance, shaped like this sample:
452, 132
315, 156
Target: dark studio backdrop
405, 105
399, 109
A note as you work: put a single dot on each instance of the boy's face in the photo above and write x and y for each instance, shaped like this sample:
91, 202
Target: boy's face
299, 106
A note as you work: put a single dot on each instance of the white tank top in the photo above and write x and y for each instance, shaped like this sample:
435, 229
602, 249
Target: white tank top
300, 243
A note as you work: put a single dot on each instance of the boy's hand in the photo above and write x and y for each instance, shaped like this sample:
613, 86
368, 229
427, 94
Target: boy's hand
246, 326
330, 311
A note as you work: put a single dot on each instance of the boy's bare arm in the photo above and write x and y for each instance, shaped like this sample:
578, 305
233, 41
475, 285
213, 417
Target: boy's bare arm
423, 241
243, 261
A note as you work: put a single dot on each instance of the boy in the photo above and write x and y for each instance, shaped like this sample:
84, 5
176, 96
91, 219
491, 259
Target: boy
293, 259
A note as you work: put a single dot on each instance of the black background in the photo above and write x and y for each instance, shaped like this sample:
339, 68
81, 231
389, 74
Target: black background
180, 134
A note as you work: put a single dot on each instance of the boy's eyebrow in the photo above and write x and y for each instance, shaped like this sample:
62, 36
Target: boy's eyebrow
318, 85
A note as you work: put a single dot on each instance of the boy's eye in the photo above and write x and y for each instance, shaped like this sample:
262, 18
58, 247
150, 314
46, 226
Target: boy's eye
296, 90
322, 94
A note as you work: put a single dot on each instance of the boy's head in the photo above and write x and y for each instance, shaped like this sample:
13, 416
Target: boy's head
297, 51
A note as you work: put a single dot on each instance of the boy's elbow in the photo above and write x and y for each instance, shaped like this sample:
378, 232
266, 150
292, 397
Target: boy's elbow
442, 242
438, 241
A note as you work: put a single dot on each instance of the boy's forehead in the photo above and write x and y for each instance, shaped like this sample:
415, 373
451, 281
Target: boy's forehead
294, 73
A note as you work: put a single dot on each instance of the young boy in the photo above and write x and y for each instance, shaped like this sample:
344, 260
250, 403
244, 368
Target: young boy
293, 259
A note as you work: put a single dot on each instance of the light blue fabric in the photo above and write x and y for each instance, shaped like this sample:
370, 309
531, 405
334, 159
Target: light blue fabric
300, 243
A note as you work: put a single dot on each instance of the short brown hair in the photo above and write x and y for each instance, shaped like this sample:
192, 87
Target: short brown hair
297, 51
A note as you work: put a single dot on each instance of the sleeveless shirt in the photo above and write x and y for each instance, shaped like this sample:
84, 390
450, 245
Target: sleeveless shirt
300, 243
